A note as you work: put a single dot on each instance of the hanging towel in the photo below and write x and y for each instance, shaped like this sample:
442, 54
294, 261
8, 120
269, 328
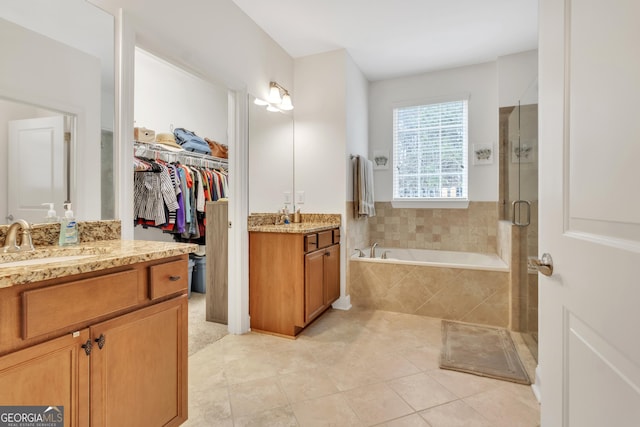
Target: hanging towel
363, 187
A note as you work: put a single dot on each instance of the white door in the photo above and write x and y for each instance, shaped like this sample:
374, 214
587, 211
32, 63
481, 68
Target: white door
35, 168
589, 364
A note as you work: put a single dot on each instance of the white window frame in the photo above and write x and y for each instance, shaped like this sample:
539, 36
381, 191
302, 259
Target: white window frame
432, 202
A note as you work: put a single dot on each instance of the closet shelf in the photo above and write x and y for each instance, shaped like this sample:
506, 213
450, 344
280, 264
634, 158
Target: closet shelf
157, 151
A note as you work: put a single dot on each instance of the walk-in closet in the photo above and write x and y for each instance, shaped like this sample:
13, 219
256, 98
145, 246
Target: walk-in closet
180, 195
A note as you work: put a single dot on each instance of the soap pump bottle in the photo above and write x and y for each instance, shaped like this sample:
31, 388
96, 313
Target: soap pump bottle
51, 217
68, 228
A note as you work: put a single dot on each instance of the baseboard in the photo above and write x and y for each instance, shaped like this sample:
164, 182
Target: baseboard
535, 387
343, 303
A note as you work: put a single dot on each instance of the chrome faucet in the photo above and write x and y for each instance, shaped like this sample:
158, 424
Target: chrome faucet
373, 250
11, 241
360, 253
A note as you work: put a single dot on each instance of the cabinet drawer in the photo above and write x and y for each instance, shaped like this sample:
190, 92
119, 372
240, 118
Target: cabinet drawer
310, 242
168, 278
60, 306
325, 238
336, 235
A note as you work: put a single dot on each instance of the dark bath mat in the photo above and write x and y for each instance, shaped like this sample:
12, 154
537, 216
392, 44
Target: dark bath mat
481, 350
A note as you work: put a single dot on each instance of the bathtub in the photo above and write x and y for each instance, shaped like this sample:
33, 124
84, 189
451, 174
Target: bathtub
465, 286
429, 257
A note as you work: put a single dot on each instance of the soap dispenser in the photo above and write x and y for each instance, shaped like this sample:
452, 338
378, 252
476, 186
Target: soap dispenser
68, 228
51, 217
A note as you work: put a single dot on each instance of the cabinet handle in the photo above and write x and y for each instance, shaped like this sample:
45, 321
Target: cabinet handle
327, 254
100, 340
174, 278
87, 347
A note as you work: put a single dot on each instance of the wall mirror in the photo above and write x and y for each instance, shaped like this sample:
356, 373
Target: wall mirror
270, 158
63, 66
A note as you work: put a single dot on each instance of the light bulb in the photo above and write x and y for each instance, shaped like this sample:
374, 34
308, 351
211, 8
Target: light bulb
286, 103
274, 94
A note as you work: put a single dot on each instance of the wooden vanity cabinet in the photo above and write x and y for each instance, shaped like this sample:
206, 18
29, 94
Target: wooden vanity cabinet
293, 278
123, 363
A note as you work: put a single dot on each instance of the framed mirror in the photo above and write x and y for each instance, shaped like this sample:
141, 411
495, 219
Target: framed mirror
271, 169
58, 60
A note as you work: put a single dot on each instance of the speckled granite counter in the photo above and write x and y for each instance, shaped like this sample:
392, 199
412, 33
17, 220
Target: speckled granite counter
303, 227
311, 223
96, 255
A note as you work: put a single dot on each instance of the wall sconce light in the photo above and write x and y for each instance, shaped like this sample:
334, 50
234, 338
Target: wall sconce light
278, 100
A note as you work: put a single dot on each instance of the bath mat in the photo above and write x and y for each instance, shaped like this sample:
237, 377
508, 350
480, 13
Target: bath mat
481, 350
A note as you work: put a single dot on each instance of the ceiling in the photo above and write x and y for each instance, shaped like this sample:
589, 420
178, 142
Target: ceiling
395, 38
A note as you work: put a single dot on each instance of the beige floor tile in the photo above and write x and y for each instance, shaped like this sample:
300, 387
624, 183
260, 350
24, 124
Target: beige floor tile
330, 410
350, 368
347, 377
421, 391
413, 420
209, 404
390, 366
290, 361
463, 384
254, 367
507, 406
279, 417
454, 414
255, 397
307, 385
425, 358
376, 403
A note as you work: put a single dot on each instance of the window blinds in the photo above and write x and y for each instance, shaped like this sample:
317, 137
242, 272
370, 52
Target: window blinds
430, 151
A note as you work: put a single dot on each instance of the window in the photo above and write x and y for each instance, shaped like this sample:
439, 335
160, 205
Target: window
430, 152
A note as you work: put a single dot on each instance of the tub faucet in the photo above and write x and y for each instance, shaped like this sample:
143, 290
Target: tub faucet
360, 253
373, 250
11, 240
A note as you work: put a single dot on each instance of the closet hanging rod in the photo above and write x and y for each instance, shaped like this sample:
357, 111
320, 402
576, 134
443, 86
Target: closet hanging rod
187, 157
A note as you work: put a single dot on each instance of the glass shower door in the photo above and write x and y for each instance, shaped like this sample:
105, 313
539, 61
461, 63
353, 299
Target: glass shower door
519, 182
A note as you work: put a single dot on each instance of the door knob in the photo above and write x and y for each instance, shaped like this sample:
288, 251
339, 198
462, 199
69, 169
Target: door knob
544, 265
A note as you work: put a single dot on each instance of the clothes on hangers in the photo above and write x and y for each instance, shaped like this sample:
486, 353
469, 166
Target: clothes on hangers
173, 199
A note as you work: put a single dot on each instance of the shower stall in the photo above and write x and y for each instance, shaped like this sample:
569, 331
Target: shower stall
519, 196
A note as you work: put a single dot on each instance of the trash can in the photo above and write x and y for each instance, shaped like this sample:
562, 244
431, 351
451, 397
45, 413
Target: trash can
199, 282
191, 264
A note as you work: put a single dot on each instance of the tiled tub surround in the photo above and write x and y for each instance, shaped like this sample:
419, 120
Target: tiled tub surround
469, 230
475, 295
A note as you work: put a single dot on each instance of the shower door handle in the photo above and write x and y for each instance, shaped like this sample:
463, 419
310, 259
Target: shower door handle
544, 265
518, 222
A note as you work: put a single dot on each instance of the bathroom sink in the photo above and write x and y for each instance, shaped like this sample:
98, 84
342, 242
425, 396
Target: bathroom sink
40, 261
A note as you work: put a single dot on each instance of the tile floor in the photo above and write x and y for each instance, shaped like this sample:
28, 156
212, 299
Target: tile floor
349, 368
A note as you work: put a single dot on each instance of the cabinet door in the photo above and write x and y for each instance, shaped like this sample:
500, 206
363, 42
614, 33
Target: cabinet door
54, 373
332, 274
139, 376
313, 285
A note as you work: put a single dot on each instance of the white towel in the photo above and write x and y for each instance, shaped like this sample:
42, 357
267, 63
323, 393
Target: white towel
363, 187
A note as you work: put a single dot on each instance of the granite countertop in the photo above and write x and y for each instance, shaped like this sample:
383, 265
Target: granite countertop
301, 227
84, 258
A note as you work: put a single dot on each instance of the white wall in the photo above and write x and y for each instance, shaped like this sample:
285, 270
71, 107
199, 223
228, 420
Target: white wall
517, 73
166, 96
357, 116
478, 81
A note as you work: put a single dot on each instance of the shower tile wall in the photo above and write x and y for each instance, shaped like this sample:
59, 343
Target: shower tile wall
472, 230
